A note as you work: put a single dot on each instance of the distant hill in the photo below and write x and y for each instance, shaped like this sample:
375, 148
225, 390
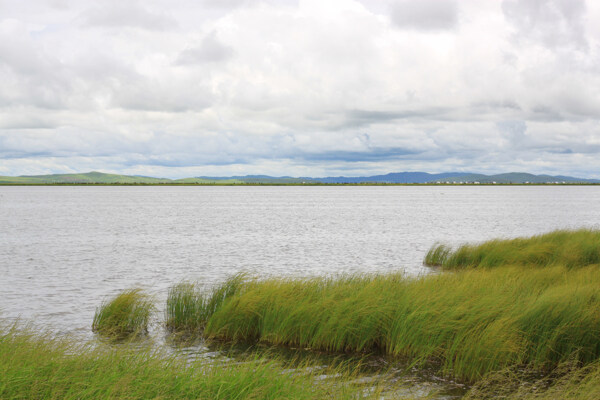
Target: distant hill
397, 178
96, 178
90, 177
259, 179
514, 177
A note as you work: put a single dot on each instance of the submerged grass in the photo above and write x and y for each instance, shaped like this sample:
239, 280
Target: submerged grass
125, 315
563, 247
34, 366
470, 323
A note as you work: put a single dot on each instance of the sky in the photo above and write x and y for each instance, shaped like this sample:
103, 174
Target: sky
181, 88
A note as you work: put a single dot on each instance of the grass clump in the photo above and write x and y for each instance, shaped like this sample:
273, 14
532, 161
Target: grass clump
125, 315
34, 366
575, 248
469, 323
437, 255
188, 307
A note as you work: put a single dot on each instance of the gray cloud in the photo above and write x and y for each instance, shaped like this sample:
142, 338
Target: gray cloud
553, 23
428, 15
183, 88
209, 50
127, 14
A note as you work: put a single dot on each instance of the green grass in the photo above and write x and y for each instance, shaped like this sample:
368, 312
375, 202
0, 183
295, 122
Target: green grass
124, 315
468, 323
578, 384
567, 381
37, 366
188, 308
569, 248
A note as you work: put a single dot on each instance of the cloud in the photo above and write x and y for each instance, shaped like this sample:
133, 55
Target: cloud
129, 14
180, 88
552, 23
209, 50
426, 15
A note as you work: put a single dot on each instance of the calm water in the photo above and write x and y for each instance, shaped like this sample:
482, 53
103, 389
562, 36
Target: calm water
64, 249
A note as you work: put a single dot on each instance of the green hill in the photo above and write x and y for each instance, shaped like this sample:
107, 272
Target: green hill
90, 177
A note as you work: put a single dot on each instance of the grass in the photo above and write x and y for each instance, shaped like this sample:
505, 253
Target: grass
469, 323
563, 247
125, 315
188, 308
567, 381
37, 366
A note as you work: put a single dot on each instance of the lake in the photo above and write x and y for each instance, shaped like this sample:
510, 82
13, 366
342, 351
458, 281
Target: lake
64, 249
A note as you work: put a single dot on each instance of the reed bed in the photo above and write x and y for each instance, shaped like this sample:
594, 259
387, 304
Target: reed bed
468, 323
125, 315
563, 247
188, 307
38, 366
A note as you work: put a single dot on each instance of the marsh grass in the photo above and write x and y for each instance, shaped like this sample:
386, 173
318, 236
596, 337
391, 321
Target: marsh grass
188, 307
41, 366
437, 255
569, 380
468, 323
124, 316
575, 248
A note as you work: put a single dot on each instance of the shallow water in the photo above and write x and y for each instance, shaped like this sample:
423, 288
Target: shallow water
64, 249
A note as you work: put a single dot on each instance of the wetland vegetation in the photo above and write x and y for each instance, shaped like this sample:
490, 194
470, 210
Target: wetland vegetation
515, 318
41, 366
127, 314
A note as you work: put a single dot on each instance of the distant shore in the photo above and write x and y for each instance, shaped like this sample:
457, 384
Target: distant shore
299, 184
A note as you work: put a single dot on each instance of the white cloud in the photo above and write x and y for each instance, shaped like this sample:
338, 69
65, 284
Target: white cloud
185, 88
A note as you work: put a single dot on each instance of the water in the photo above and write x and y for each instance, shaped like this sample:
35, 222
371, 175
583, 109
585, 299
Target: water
64, 249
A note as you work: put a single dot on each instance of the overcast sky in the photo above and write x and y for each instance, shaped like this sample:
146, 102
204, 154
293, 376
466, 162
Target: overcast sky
180, 88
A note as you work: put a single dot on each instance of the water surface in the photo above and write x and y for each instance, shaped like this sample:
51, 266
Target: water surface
63, 249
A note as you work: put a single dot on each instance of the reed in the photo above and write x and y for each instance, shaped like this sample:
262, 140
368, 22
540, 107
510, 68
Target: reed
469, 323
40, 366
562, 247
188, 307
124, 315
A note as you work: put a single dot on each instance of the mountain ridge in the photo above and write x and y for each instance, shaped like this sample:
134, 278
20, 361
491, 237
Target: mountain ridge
96, 177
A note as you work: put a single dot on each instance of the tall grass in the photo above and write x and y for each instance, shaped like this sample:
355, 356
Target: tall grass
188, 307
563, 247
470, 323
124, 315
34, 366
567, 381
437, 255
